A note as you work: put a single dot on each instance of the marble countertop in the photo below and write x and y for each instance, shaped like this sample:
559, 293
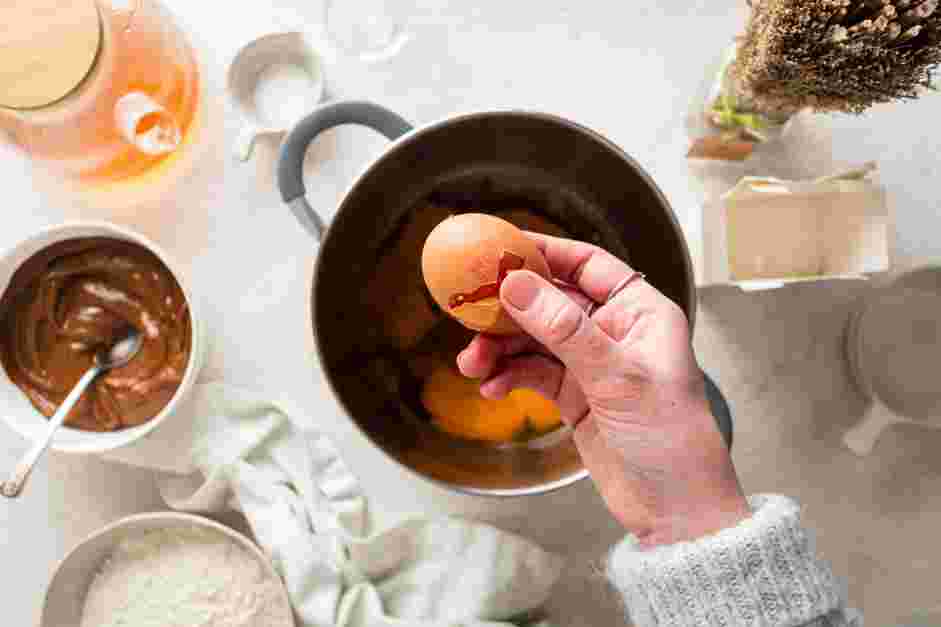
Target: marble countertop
627, 70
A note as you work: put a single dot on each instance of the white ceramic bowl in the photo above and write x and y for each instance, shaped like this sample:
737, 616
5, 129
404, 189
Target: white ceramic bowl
65, 595
16, 409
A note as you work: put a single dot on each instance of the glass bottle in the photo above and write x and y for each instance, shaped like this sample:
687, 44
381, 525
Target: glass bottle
97, 91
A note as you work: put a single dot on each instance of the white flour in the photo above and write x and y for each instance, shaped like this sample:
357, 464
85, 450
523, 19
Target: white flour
184, 577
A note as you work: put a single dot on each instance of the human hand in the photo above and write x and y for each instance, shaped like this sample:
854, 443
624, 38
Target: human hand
626, 381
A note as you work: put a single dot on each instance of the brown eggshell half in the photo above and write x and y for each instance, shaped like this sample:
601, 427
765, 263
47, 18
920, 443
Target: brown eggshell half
463, 253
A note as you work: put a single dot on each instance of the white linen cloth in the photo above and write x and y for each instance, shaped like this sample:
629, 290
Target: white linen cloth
230, 447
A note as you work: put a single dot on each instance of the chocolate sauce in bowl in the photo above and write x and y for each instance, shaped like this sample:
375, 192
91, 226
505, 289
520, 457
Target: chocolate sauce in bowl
77, 296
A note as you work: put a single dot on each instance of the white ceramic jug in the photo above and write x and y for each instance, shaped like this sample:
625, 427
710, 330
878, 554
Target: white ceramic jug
894, 350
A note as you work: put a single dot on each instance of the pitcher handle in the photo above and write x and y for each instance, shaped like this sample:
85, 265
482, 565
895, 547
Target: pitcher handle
291, 158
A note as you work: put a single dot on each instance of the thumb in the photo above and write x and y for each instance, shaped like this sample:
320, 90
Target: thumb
557, 322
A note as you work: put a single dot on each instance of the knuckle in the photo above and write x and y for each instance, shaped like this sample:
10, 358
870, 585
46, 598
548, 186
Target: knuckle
589, 252
596, 347
548, 379
622, 321
564, 323
593, 250
674, 315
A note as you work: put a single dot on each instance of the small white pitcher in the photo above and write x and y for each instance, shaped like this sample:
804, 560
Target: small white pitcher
274, 81
893, 344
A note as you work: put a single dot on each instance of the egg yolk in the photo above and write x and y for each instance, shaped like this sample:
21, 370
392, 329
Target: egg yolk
455, 403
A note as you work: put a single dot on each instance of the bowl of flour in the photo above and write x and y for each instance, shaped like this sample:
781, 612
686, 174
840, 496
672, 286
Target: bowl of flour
166, 570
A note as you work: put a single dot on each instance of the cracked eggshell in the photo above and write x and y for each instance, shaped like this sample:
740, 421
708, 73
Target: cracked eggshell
462, 254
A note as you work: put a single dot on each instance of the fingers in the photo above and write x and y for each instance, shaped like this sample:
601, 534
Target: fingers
556, 322
628, 303
580, 298
535, 372
545, 376
593, 270
482, 355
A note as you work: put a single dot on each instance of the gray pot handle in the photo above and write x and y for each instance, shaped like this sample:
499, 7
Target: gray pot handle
291, 159
720, 409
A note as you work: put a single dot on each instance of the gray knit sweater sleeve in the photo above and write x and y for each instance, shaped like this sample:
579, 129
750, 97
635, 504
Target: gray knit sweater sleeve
762, 573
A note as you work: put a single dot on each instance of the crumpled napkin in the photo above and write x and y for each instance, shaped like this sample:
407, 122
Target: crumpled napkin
834, 226
230, 448
766, 232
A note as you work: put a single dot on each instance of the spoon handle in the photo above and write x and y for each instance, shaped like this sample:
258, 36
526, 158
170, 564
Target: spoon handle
13, 487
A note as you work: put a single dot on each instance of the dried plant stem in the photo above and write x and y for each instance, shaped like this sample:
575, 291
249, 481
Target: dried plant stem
836, 55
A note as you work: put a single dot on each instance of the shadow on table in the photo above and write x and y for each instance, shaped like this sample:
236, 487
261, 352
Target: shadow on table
785, 342
779, 358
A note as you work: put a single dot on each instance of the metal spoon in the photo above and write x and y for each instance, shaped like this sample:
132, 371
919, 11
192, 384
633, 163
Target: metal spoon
106, 359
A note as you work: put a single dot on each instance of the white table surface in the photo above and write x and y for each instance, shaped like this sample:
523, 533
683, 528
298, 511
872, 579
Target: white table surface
625, 69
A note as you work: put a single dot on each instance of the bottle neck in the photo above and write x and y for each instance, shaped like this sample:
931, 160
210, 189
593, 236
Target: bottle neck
81, 92
63, 44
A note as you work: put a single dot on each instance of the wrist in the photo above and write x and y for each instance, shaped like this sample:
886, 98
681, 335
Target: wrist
704, 496
692, 520
732, 575
682, 488
699, 497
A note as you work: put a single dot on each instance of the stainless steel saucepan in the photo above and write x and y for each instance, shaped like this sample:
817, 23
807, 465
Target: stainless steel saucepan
482, 161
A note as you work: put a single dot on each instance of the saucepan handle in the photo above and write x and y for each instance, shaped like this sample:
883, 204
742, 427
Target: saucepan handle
291, 159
